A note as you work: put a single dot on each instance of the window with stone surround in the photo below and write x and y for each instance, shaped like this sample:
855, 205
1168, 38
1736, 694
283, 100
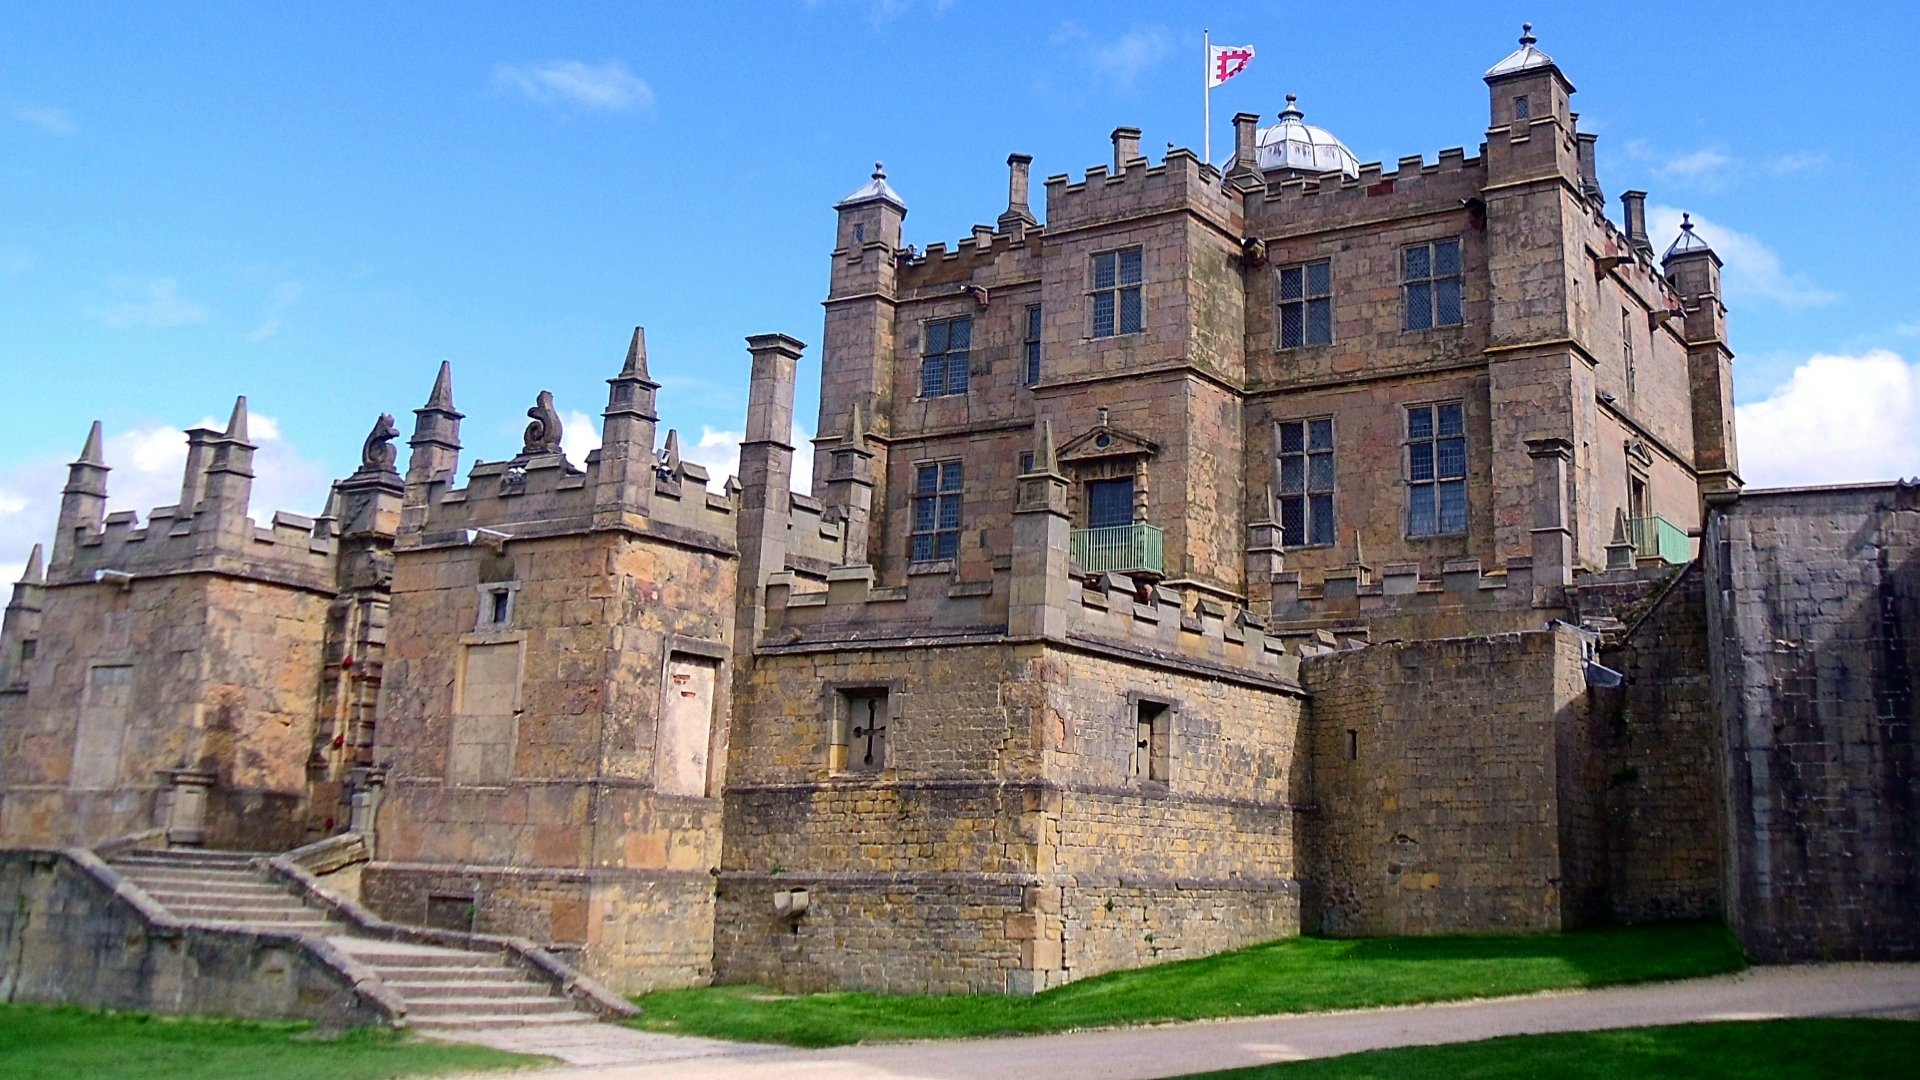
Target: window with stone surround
1152, 758
947, 353
1306, 304
1306, 482
495, 610
936, 510
1430, 285
1116, 300
1436, 469
860, 723
1032, 344
1522, 108
1626, 349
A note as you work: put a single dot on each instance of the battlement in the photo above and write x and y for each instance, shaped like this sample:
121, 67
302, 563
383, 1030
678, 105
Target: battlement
967, 259
1180, 182
1398, 602
291, 549
1310, 204
1112, 609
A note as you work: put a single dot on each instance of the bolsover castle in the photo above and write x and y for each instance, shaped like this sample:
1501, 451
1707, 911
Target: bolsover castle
1304, 547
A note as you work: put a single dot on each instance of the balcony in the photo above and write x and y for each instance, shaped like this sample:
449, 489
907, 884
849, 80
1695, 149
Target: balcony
1656, 537
1119, 548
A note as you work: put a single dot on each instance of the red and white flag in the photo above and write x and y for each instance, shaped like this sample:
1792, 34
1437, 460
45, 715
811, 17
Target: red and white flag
1226, 61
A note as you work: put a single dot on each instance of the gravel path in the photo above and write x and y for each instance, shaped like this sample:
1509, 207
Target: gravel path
1176, 1049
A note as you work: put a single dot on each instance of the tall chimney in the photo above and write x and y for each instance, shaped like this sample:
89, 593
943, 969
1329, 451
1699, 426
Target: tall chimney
1019, 215
1634, 205
1589, 173
1246, 152
1126, 148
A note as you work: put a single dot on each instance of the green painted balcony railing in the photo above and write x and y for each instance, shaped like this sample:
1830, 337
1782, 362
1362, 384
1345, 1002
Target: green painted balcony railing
1658, 536
1119, 548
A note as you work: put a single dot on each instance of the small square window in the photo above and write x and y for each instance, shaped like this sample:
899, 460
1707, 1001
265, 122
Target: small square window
945, 359
1306, 304
496, 605
1522, 108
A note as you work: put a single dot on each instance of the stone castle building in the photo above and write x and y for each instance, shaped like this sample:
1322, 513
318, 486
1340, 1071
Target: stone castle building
1299, 547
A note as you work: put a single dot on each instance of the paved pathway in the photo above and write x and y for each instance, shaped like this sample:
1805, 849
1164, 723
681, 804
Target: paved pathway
1173, 1050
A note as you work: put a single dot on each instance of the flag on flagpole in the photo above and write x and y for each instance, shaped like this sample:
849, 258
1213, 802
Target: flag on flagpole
1226, 61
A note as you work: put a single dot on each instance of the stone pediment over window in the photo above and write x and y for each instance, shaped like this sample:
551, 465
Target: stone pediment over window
1106, 441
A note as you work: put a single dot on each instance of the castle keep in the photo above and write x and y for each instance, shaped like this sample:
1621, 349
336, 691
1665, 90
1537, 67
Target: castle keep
1296, 547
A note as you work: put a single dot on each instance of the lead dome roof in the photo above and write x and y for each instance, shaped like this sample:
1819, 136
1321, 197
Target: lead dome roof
1295, 144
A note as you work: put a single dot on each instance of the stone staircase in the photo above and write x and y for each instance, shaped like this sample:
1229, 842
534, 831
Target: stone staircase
444, 989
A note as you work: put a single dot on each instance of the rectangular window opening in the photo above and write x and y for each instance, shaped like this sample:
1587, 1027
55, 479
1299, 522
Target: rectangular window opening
946, 356
1430, 285
937, 489
1306, 305
1522, 108
1118, 306
860, 732
1151, 756
1436, 469
1353, 745
1306, 483
1032, 344
1626, 349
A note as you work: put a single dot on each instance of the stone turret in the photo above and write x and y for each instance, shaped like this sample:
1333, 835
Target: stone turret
229, 479
849, 485
1694, 270
83, 502
20, 633
624, 487
1042, 531
857, 359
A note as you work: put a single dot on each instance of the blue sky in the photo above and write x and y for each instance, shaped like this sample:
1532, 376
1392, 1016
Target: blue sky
314, 204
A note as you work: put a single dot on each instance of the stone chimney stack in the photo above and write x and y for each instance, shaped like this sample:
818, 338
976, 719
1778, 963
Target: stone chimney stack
1246, 151
193, 481
623, 484
1589, 171
1634, 207
766, 476
1126, 148
1019, 216
83, 502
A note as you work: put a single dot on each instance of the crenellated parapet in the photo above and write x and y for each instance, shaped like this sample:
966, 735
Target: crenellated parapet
1314, 204
1156, 624
1181, 182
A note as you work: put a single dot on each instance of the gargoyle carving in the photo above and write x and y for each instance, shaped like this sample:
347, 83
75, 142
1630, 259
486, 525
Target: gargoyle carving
376, 454
543, 435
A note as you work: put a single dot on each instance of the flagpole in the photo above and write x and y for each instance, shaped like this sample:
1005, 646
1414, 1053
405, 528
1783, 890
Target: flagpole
1206, 93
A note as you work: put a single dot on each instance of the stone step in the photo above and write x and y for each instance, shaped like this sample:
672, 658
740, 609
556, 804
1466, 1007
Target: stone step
483, 1021
184, 898
227, 914
209, 878
212, 860
468, 1005
382, 955
305, 926
408, 973
412, 989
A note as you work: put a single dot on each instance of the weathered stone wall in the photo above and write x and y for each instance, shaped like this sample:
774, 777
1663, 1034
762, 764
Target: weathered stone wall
567, 795
1436, 770
195, 671
1813, 599
65, 938
1664, 822
1010, 842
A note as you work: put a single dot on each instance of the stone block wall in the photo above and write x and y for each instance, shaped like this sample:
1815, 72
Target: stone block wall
1813, 597
1664, 823
1436, 778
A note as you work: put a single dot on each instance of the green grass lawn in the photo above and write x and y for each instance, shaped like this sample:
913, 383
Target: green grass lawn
48, 1043
1288, 976
1763, 1050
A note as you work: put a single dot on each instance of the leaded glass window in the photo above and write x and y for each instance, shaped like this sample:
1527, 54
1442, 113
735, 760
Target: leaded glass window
1118, 307
936, 510
1306, 482
1430, 284
1306, 305
1436, 470
943, 363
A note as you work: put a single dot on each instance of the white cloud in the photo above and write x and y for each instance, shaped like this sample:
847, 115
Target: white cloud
150, 302
579, 435
49, 121
609, 86
1837, 419
1753, 272
719, 451
1696, 166
1793, 163
147, 462
1127, 58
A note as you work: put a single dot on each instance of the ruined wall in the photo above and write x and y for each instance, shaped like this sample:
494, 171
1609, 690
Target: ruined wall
1813, 598
1436, 770
1664, 822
